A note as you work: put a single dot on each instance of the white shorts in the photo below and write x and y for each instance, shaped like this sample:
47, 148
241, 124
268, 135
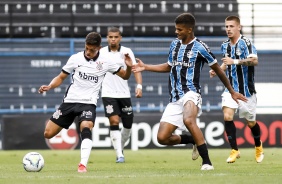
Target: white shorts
247, 109
173, 113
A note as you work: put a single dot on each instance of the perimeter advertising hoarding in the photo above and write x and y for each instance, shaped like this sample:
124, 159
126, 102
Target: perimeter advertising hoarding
26, 132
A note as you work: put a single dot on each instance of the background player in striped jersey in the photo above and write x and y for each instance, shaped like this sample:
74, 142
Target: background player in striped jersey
187, 55
240, 58
88, 69
116, 93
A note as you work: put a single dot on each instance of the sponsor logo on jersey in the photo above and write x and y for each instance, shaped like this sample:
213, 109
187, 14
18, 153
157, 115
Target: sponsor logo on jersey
88, 77
86, 114
127, 109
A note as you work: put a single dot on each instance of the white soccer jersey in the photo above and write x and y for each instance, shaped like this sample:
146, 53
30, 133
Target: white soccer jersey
87, 77
113, 86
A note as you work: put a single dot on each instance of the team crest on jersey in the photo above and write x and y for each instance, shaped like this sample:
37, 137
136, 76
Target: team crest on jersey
57, 114
189, 54
238, 52
99, 65
109, 109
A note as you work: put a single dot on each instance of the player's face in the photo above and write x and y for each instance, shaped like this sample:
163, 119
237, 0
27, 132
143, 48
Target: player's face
114, 39
182, 31
232, 29
91, 51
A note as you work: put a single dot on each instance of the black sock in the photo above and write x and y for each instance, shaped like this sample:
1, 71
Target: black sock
186, 139
230, 130
256, 134
203, 151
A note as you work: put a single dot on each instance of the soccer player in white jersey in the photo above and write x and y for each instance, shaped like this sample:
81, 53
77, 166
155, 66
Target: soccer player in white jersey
187, 55
87, 69
116, 94
240, 59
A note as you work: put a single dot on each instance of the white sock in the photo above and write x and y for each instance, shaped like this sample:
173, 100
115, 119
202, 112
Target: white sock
116, 141
85, 149
125, 135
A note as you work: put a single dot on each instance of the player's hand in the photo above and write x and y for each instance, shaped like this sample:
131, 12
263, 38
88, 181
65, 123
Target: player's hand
127, 60
43, 88
227, 61
238, 96
139, 66
212, 73
138, 93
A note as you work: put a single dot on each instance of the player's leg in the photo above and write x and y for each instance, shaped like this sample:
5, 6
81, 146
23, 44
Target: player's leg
115, 136
230, 130
248, 110
87, 116
126, 130
190, 113
59, 120
127, 119
229, 107
51, 129
113, 111
173, 115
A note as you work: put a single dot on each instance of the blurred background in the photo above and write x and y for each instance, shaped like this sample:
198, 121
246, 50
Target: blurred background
37, 38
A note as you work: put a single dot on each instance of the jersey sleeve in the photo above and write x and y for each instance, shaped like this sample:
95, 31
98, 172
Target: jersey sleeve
171, 52
249, 49
112, 66
70, 65
207, 54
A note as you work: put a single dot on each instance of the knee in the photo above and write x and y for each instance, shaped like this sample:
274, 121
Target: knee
47, 134
161, 139
228, 117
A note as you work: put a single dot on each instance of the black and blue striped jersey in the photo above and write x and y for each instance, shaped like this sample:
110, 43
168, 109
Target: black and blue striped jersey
186, 63
242, 78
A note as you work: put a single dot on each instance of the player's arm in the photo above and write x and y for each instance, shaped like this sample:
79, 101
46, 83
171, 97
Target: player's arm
251, 60
212, 72
125, 74
140, 66
57, 81
220, 73
138, 79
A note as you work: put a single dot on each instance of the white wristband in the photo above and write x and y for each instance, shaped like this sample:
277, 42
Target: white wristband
236, 61
139, 86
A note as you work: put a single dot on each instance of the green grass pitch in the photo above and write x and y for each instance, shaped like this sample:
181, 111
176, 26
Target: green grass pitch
144, 166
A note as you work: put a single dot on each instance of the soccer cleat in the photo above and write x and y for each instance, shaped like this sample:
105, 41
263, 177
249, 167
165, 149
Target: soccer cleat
233, 155
81, 168
120, 160
259, 153
195, 153
207, 167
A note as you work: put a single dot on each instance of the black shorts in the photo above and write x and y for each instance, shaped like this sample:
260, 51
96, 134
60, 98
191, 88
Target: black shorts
66, 113
118, 106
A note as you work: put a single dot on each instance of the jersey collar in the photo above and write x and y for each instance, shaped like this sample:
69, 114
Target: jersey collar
118, 50
93, 59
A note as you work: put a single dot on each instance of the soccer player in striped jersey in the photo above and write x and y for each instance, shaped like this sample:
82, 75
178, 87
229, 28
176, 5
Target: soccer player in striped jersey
239, 61
116, 94
87, 69
186, 58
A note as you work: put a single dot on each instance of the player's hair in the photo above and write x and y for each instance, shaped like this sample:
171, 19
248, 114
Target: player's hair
114, 29
234, 18
93, 38
186, 18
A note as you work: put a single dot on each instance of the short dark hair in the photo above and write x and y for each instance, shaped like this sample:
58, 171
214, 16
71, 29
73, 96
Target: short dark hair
93, 38
186, 18
114, 29
233, 17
